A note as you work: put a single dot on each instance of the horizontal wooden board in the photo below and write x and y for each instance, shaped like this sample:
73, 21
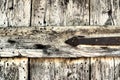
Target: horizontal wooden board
51, 41
13, 69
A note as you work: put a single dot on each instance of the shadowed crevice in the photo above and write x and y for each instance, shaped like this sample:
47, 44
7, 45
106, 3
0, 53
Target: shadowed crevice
41, 46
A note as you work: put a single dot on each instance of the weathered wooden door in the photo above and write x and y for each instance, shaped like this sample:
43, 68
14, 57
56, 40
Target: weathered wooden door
59, 39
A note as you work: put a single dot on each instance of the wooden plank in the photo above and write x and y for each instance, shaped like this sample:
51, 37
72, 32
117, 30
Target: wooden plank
50, 41
57, 10
69, 12
60, 12
102, 68
40, 12
3, 13
52, 36
13, 69
46, 12
15, 13
59, 69
60, 52
117, 68
105, 12
77, 12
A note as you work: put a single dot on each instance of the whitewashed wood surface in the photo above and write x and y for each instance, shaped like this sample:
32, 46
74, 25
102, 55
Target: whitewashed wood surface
59, 12
14, 13
50, 41
40, 53
13, 69
105, 12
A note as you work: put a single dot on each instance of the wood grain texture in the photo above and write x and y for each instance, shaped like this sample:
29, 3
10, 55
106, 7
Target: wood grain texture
50, 41
53, 36
57, 12
102, 68
117, 68
40, 13
77, 12
14, 13
59, 69
105, 12
3, 13
13, 69
60, 12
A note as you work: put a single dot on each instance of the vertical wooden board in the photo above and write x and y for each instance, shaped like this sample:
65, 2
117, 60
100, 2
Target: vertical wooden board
3, 15
42, 69
60, 12
69, 12
47, 13
102, 68
105, 12
57, 12
59, 69
14, 13
117, 68
13, 69
19, 12
77, 12
40, 12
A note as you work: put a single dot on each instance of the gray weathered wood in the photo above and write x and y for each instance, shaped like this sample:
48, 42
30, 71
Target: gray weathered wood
14, 13
60, 12
100, 12
40, 12
3, 14
57, 12
50, 41
102, 68
59, 69
117, 68
77, 12
13, 69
